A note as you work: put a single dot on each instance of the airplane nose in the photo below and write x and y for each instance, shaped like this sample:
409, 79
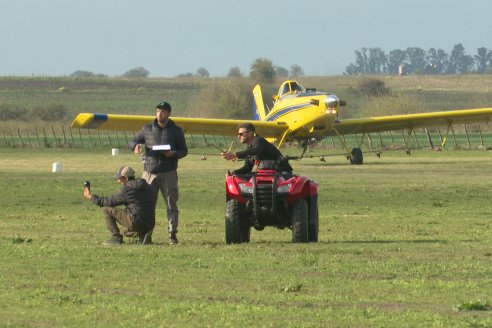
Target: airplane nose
331, 101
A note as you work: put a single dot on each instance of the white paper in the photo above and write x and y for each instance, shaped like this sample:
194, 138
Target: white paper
161, 147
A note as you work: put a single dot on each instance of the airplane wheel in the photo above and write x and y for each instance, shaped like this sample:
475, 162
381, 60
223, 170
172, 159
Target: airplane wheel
357, 157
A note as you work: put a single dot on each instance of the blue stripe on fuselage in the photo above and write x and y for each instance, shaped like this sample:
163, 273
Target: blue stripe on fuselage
286, 110
97, 121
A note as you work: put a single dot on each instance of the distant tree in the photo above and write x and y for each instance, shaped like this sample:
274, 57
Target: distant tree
368, 61
416, 60
377, 61
82, 74
262, 70
296, 70
281, 71
234, 72
352, 69
436, 61
396, 58
361, 61
459, 62
202, 72
136, 72
482, 59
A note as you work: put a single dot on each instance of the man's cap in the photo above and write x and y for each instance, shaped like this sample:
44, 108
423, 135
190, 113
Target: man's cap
124, 171
164, 105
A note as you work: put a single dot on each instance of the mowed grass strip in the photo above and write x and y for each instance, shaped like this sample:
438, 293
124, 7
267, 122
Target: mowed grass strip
404, 241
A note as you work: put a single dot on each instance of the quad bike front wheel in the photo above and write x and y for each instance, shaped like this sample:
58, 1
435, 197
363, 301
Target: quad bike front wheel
236, 227
300, 221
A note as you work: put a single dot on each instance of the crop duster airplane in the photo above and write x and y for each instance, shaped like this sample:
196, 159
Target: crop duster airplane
298, 114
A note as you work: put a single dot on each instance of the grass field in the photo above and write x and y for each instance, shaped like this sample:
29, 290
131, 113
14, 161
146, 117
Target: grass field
405, 241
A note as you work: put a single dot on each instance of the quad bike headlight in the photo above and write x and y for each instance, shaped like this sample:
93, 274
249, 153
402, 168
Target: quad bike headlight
246, 189
284, 188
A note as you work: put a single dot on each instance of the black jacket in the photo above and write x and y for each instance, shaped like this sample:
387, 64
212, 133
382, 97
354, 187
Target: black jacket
261, 150
152, 134
139, 201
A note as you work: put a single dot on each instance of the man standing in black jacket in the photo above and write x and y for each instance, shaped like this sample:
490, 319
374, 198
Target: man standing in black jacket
139, 213
165, 144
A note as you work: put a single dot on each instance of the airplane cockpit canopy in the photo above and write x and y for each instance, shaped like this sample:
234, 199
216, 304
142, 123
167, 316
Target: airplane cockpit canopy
289, 87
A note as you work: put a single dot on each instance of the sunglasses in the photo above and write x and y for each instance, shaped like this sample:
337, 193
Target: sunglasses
240, 134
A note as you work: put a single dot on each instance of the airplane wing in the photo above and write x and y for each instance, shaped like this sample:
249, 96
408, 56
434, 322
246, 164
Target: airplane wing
189, 125
411, 121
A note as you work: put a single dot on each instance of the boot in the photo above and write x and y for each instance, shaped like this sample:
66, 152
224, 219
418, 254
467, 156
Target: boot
114, 241
172, 238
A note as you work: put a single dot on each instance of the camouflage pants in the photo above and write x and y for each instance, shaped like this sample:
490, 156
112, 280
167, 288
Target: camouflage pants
167, 183
113, 215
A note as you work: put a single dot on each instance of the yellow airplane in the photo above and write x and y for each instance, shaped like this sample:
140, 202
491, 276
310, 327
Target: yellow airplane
298, 114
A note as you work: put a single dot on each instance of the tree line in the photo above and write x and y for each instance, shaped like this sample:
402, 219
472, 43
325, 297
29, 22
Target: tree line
414, 60
261, 70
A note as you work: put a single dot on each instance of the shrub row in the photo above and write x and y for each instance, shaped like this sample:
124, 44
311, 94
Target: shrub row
48, 113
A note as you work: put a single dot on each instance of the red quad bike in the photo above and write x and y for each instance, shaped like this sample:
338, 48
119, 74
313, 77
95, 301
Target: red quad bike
269, 198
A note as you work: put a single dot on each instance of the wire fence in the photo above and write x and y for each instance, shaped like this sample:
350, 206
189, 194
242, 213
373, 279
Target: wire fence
468, 137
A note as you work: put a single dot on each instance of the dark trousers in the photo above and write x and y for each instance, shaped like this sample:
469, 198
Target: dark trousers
113, 215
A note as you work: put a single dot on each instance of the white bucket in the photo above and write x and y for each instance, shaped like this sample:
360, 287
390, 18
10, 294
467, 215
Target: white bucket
57, 167
115, 151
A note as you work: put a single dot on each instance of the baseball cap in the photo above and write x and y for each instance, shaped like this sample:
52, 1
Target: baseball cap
164, 105
124, 171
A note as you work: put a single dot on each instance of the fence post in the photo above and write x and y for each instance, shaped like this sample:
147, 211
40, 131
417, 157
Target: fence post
481, 137
454, 137
55, 139
28, 137
46, 143
81, 142
71, 136
37, 136
109, 139
90, 140
99, 136
416, 140
429, 138
64, 138
4, 139
467, 136
12, 137
126, 139
18, 133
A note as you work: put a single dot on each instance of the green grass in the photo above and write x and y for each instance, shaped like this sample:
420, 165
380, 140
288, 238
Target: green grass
404, 241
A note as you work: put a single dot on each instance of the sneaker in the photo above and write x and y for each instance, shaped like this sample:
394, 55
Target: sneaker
172, 238
145, 239
114, 241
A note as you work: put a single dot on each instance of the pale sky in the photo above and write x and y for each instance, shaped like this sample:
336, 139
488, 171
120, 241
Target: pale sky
59, 37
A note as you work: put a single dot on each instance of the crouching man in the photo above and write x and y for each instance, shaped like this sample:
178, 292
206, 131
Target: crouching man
139, 213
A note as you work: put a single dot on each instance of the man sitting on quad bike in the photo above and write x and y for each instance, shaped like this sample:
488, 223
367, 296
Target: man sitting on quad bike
259, 149
270, 196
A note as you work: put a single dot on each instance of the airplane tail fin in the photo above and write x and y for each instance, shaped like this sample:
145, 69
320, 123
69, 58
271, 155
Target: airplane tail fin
259, 113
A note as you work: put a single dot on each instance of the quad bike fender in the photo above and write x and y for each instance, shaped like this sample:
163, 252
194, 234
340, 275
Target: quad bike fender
302, 188
232, 190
